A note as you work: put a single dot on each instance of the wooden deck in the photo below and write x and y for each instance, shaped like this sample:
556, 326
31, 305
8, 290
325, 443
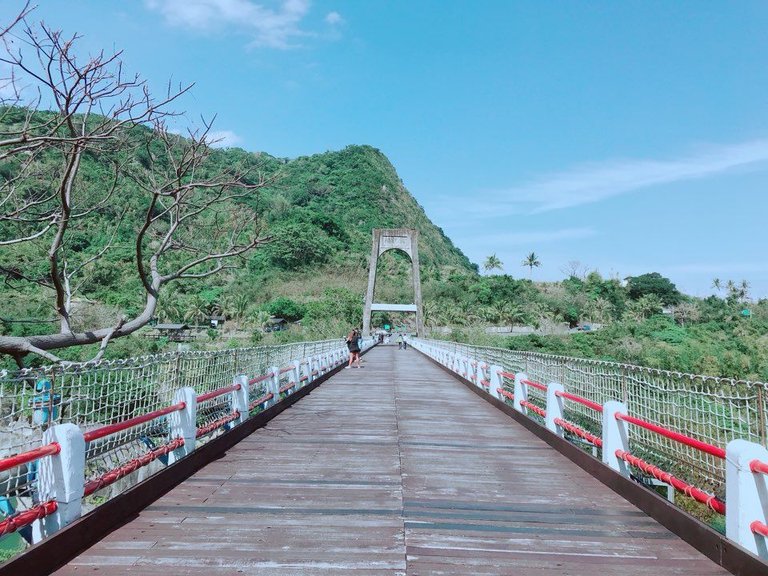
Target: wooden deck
394, 468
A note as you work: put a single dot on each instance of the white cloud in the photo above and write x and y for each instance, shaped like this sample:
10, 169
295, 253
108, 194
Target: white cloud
595, 182
269, 27
334, 18
224, 139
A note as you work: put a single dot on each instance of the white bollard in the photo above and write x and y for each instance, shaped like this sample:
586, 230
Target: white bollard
183, 423
554, 408
239, 398
497, 381
747, 495
521, 392
615, 436
61, 478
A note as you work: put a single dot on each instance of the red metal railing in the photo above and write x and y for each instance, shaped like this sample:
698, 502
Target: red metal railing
286, 387
581, 400
29, 456
688, 489
758, 466
216, 393
287, 369
672, 435
261, 378
759, 528
505, 393
537, 385
532, 407
208, 428
580, 432
110, 429
131, 466
506, 374
260, 401
17, 521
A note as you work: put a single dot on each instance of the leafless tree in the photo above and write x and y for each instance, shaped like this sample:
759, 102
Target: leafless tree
59, 111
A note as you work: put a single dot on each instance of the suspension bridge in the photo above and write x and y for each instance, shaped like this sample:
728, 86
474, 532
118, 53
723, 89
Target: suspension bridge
424, 461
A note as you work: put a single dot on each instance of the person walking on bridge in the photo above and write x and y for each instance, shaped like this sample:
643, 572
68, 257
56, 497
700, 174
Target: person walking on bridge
353, 345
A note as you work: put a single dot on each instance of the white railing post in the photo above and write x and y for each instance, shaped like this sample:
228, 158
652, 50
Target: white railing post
615, 436
295, 375
479, 374
274, 385
240, 398
61, 478
497, 381
521, 392
183, 423
746, 493
554, 408
310, 369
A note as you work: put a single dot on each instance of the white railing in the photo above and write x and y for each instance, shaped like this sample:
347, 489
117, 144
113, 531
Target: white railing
619, 430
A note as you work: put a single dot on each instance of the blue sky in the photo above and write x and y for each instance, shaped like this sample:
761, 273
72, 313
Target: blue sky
631, 136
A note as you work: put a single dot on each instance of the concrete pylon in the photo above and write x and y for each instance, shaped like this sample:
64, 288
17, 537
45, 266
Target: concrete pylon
407, 240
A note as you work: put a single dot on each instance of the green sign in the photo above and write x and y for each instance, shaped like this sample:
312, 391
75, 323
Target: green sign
386, 326
746, 312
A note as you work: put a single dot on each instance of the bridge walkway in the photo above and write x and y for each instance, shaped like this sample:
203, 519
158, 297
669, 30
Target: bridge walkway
395, 469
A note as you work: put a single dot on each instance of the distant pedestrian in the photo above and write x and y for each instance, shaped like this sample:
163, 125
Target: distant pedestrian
401, 343
353, 345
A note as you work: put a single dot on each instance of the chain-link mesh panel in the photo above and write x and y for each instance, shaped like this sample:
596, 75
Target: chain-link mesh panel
95, 394
714, 410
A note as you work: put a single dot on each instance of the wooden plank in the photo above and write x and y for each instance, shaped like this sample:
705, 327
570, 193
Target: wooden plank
392, 469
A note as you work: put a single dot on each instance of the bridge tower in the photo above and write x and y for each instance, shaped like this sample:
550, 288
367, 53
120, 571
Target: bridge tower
407, 240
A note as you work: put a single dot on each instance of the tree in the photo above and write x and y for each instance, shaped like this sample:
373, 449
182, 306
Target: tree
64, 117
653, 283
717, 284
532, 261
493, 263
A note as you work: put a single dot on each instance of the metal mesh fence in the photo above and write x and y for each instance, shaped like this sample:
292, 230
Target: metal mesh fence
714, 410
92, 395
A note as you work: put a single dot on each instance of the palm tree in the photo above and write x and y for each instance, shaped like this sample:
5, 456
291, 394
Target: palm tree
744, 290
493, 263
717, 284
531, 261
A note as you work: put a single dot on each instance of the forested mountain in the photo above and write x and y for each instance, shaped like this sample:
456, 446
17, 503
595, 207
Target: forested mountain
313, 217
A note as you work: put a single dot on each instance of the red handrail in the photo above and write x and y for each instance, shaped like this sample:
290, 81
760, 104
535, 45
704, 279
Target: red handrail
485, 383
29, 456
540, 411
759, 528
758, 466
16, 521
581, 400
261, 378
688, 489
287, 369
92, 435
533, 384
261, 400
682, 438
216, 393
286, 387
580, 432
505, 393
203, 430
506, 374
131, 466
